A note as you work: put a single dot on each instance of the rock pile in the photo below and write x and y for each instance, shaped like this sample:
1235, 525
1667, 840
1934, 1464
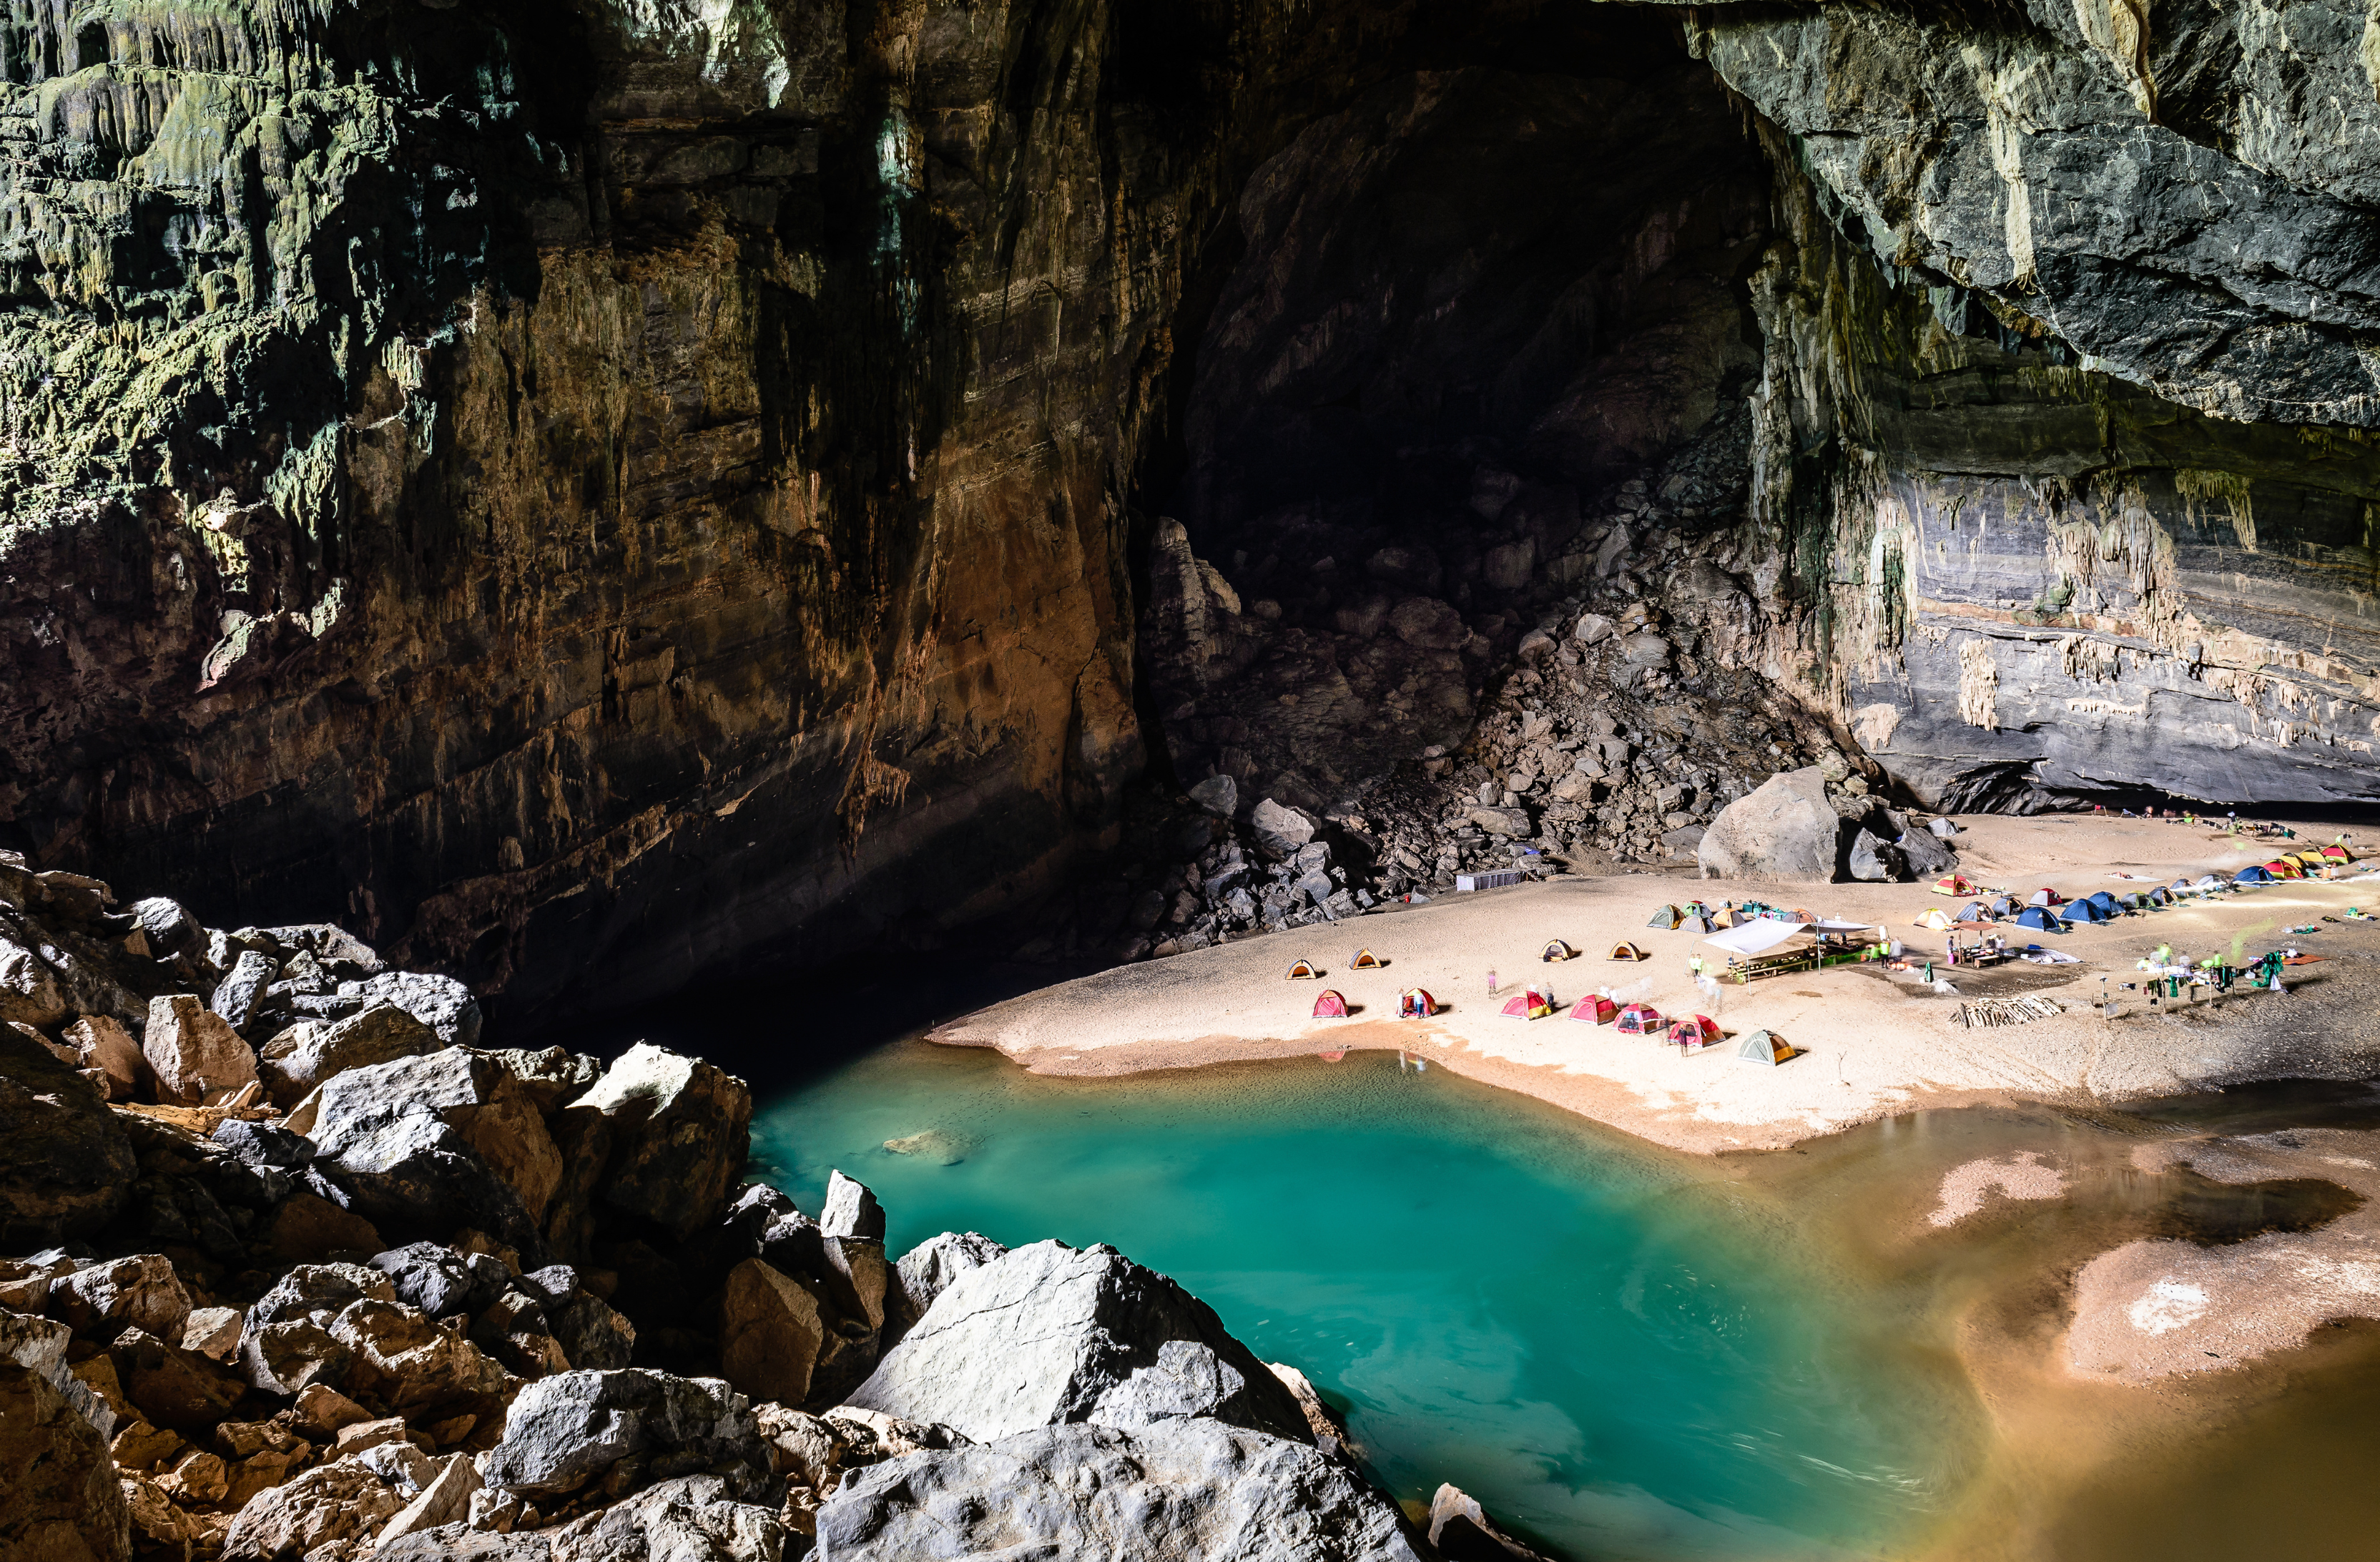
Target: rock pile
329, 1281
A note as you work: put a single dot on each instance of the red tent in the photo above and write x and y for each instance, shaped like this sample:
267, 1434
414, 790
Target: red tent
1533, 1004
2336, 853
1701, 1030
1330, 1005
1640, 1020
1414, 1003
1595, 1011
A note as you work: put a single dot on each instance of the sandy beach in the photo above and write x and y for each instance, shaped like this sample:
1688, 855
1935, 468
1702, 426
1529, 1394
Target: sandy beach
1872, 1043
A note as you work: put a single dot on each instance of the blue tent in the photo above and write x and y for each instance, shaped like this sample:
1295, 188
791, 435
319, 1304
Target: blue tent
2034, 917
2089, 911
2004, 907
2160, 897
2252, 875
1973, 912
2104, 901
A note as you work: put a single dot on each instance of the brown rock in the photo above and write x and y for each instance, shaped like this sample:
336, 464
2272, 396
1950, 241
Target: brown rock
213, 1332
355, 1438
142, 1291
65, 1165
769, 1333
101, 1041
142, 1446
296, 1063
681, 1133
308, 1228
197, 1057
156, 1516
405, 1362
195, 1480
29, 988
292, 1356
62, 1502
324, 1409
173, 1387
339, 1501
514, 1330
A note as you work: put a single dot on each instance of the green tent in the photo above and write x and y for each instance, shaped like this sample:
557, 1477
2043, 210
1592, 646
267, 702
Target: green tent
1667, 916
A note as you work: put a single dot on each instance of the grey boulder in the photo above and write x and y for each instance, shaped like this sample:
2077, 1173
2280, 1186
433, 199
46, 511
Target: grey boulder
436, 1142
689, 1518
428, 1276
1872, 858
293, 1063
926, 1271
680, 1131
237, 996
440, 1001
169, 929
1046, 1335
1178, 1491
1785, 829
566, 1430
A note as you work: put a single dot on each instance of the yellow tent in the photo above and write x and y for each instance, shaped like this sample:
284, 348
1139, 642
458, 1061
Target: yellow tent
1934, 917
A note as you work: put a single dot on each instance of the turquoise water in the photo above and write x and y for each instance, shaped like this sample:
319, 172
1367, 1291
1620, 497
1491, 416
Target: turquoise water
1626, 1353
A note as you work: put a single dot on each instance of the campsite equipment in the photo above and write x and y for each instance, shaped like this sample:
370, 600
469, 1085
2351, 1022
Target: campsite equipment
1700, 1032
1640, 1020
2037, 918
1667, 918
1624, 950
1494, 878
1301, 969
1558, 950
2088, 911
1973, 912
2252, 874
1934, 917
2045, 897
1414, 1003
1764, 1047
1597, 1009
1532, 1003
1330, 1006
2104, 901
1994, 1012
1957, 884
1365, 960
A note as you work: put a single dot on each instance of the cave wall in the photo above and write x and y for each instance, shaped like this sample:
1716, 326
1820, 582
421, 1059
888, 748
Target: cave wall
583, 491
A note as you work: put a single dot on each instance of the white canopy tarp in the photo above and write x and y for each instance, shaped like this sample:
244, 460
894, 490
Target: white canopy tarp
1757, 936
1828, 924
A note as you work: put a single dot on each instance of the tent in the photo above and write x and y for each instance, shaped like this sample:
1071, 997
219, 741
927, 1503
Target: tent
1533, 1003
2104, 901
2252, 875
1957, 884
1640, 1020
1414, 1003
1558, 950
1595, 1009
1624, 950
2280, 869
1298, 969
1365, 960
2208, 880
2338, 853
1973, 912
1764, 1047
2005, 906
1755, 937
2043, 897
2088, 911
1701, 1030
1667, 916
2160, 896
1330, 1006
2039, 920
1934, 917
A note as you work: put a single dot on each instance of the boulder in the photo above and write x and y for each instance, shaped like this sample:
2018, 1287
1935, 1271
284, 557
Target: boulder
563, 1431
1046, 1333
1785, 829
169, 929
1873, 859
440, 1001
428, 1276
1217, 795
1941, 829
340, 1501
264, 1145
66, 1167
926, 1271
171, 1386
64, 1504
214, 1332
445, 1498
1281, 830
308, 1228
39, 1345
850, 1210
1461, 1530
29, 988
196, 1057
101, 1041
287, 1344
1427, 622
1925, 856
689, 1518
1176, 1491
432, 1143
142, 1291
769, 1332
680, 1131
552, 1076
401, 1359
1591, 629
238, 994
591, 1332
293, 1063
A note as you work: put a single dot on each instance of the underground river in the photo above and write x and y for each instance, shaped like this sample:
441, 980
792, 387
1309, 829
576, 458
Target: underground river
1627, 1352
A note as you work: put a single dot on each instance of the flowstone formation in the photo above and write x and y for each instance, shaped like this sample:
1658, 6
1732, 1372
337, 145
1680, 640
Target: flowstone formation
587, 493
465, 1301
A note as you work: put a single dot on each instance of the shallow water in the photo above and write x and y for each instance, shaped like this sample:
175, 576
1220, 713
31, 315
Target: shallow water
1626, 1352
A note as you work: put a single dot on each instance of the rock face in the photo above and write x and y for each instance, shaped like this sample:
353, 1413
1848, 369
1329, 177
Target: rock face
64, 1504
1226, 1494
1046, 1335
66, 1167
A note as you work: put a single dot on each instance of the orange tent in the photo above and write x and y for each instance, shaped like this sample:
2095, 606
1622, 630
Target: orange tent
1330, 1006
1414, 1003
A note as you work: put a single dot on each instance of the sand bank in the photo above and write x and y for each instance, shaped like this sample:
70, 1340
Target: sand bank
1874, 1044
